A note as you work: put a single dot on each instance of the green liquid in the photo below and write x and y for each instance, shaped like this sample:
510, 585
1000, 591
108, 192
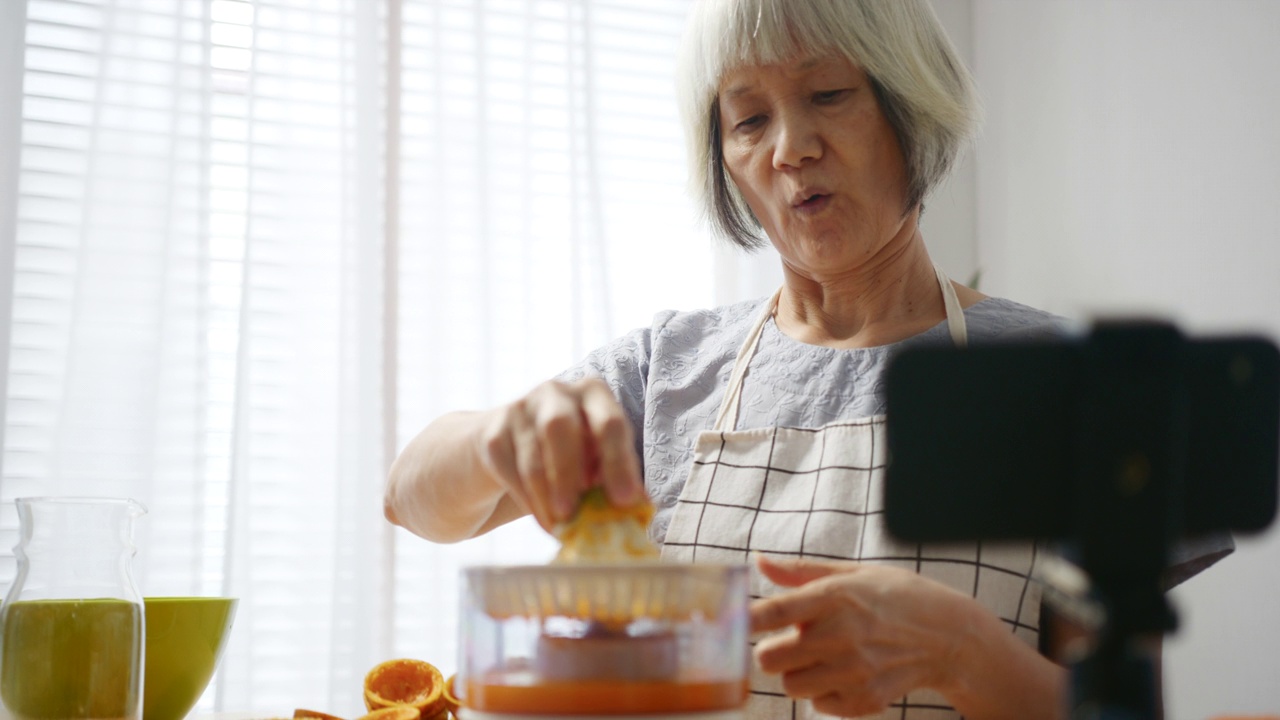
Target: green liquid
185, 638
63, 659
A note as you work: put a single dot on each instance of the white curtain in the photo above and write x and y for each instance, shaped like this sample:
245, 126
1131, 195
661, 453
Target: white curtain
542, 211
258, 244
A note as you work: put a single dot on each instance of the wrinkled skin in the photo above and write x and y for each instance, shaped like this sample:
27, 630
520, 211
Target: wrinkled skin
855, 638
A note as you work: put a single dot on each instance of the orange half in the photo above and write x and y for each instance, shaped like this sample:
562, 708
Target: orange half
451, 695
395, 712
602, 532
405, 683
302, 713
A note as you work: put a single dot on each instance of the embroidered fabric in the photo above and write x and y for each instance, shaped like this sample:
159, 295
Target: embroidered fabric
671, 376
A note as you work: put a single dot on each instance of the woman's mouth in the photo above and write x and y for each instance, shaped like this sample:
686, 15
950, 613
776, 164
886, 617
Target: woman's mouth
812, 203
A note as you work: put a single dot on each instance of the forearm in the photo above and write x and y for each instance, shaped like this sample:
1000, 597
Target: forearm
999, 677
439, 488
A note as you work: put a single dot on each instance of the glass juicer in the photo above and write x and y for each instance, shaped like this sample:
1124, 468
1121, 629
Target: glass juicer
648, 639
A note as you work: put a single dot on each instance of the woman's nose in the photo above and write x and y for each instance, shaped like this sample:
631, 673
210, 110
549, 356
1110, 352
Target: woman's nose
797, 141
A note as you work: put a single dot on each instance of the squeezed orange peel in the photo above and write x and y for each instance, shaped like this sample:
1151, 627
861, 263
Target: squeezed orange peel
451, 696
395, 712
405, 683
600, 532
302, 713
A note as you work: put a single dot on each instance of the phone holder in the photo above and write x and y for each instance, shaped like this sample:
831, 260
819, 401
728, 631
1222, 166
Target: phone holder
1117, 444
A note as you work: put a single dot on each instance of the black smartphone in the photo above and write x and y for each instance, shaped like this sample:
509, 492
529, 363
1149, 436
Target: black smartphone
1012, 440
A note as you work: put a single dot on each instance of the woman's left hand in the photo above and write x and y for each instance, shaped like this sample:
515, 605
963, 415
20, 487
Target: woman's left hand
860, 636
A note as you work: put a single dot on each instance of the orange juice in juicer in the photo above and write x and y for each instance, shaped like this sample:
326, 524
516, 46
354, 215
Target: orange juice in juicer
647, 639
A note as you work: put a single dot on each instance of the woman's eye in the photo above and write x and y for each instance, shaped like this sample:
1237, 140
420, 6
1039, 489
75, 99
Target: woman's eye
749, 123
828, 96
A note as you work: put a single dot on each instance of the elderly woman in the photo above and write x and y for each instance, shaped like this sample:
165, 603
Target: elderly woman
821, 125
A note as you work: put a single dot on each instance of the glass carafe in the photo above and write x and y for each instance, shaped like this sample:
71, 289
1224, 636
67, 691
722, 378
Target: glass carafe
71, 628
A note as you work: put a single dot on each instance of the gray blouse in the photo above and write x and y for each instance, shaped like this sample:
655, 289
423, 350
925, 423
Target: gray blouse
671, 376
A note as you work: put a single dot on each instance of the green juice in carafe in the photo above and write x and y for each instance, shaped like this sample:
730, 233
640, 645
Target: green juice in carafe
64, 659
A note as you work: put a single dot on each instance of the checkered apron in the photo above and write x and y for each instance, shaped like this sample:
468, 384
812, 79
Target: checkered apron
819, 493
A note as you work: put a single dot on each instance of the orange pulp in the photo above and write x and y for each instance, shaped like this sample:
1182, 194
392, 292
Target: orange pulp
605, 697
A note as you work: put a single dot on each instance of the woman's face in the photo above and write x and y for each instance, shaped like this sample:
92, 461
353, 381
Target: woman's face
808, 147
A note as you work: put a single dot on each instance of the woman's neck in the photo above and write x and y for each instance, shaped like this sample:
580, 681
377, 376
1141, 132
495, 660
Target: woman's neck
892, 297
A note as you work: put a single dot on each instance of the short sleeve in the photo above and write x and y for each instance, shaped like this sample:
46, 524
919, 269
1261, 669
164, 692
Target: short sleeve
1187, 558
1194, 555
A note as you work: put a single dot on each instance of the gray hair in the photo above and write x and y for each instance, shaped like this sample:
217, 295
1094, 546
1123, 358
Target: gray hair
922, 87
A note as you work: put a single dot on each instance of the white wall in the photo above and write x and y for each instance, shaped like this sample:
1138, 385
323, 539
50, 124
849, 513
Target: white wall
1131, 162
949, 222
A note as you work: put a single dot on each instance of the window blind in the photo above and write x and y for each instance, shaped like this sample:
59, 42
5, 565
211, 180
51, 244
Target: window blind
202, 317
198, 253
542, 214
105, 393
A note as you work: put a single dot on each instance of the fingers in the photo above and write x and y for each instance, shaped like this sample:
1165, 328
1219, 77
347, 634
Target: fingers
855, 695
784, 652
530, 467
794, 572
836, 678
781, 611
558, 436
841, 672
509, 454
816, 680
853, 636
844, 703
808, 601
548, 447
614, 442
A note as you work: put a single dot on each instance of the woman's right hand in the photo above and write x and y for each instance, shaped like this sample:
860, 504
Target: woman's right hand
549, 446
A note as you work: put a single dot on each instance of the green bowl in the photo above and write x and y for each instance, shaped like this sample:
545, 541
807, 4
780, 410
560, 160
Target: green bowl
185, 639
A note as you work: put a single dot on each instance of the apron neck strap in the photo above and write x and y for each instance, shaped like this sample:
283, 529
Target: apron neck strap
728, 415
727, 418
955, 314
